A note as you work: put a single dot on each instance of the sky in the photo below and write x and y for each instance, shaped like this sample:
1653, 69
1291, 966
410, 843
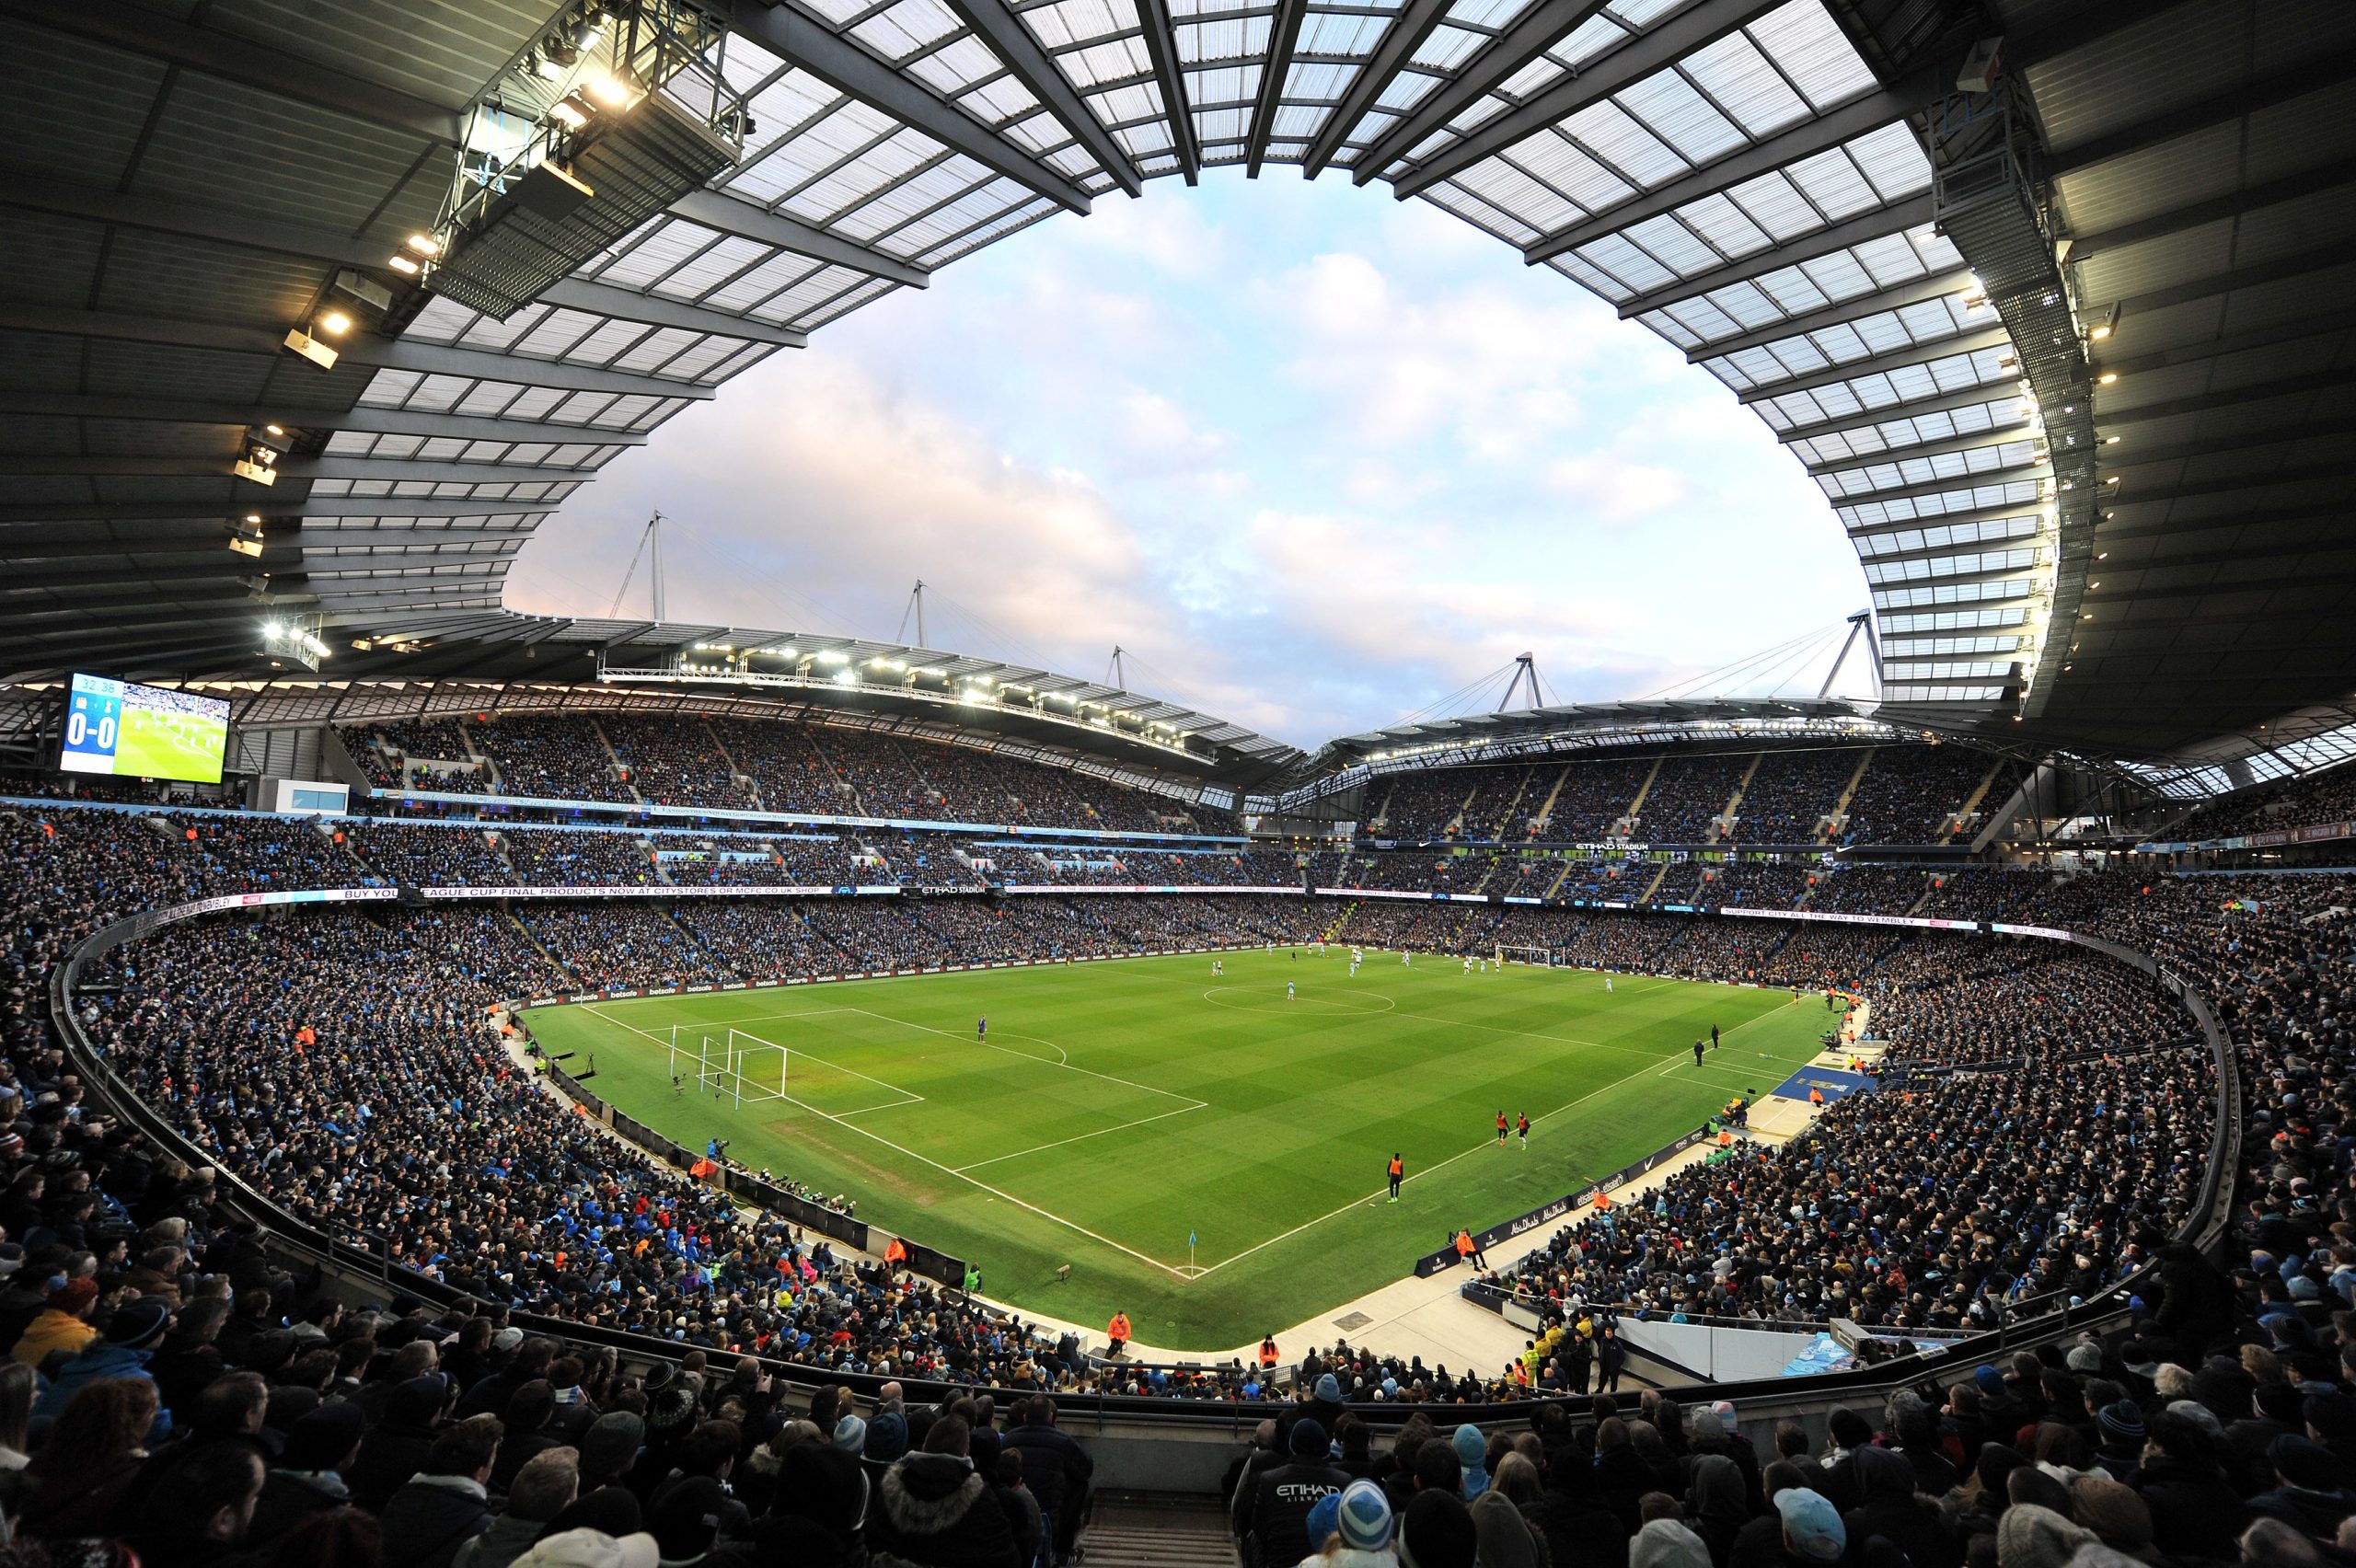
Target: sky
1313, 458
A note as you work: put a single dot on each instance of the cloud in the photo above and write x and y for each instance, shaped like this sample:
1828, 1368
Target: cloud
1616, 491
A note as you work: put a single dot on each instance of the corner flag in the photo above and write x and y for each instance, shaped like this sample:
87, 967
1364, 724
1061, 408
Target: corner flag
1190, 1236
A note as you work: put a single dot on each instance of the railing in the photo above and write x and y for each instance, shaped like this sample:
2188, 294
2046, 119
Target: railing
2025, 1323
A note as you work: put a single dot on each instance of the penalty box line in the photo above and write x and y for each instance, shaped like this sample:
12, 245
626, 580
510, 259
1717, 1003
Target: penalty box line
1047, 1215
907, 1096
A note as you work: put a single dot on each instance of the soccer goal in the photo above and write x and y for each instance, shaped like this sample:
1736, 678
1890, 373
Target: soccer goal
1543, 957
727, 1063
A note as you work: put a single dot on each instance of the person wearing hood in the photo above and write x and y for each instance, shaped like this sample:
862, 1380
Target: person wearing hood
2033, 1535
62, 1323
1622, 1476
1580, 1532
931, 1509
1507, 1538
1715, 1502
1888, 1507
2309, 1494
1276, 1521
1363, 1528
820, 1500
1471, 1456
1667, 1543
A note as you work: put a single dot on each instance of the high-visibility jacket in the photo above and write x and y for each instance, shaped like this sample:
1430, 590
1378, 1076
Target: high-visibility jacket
1815, 1095
1464, 1244
897, 1252
1118, 1329
1268, 1353
1398, 1168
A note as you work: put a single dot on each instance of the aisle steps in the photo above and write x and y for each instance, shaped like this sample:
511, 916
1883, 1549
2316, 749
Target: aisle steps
1149, 1530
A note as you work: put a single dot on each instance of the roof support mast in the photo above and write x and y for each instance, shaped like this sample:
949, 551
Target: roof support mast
1862, 621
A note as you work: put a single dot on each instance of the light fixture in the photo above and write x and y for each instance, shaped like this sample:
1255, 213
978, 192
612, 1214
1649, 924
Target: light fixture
609, 88
2103, 328
2111, 440
2106, 378
275, 430
426, 244
335, 323
310, 348
572, 112
401, 264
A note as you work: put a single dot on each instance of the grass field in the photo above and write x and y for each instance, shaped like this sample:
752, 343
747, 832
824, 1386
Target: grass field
1116, 1107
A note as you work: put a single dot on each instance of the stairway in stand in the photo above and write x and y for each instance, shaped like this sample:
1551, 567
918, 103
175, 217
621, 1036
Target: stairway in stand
1139, 1529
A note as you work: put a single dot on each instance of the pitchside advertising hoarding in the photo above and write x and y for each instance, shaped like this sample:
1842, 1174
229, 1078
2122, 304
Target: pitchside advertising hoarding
127, 731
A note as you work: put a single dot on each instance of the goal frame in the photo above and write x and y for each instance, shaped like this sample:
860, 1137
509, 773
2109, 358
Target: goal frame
1539, 957
727, 1061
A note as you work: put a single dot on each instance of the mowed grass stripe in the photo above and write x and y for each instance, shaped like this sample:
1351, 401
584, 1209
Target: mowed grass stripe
1299, 1108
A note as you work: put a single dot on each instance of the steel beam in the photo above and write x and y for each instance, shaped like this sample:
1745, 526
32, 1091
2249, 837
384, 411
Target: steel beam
1842, 314
280, 543
1162, 48
1810, 137
1996, 436
2316, 76
296, 470
1874, 223
1537, 30
45, 514
359, 420
2012, 473
1696, 27
1284, 36
851, 70
733, 215
363, 349
2250, 198
2298, 328
2226, 398
1945, 403
136, 29
2122, 458
1400, 40
2221, 283
1012, 42
1967, 343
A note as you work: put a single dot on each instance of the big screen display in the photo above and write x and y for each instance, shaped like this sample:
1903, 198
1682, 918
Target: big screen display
143, 732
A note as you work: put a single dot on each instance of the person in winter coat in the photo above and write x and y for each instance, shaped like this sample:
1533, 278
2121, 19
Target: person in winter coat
123, 1351
75, 1486
63, 1324
2308, 1493
933, 1510
397, 1449
1716, 1503
2192, 1507
306, 1480
1580, 1532
1276, 1519
445, 1505
544, 1487
1507, 1538
1055, 1469
1889, 1508
1622, 1477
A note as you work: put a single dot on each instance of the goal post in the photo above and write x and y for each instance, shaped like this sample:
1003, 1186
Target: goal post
755, 1068
727, 1062
1543, 957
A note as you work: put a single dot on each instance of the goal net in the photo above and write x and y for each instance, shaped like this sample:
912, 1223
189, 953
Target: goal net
1543, 957
727, 1063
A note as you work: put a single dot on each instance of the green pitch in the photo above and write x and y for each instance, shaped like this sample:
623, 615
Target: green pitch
157, 746
1116, 1107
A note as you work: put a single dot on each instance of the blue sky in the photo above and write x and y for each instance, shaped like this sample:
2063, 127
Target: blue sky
1314, 457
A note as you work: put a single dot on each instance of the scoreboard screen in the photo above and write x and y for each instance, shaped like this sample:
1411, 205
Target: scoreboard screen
143, 732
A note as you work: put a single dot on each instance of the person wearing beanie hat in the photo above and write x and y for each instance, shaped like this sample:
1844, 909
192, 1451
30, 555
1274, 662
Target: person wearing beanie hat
1276, 1526
61, 1325
1362, 1518
140, 1326
1812, 1528
887, 1438
686, 1520
1321, 1520
2193, 1508
850, 1436
2114, 1513
2029, 1535
2309, 1492
613, 1510
609, 1447
1472, 1453
1438, 1532
592, 1549
2121, 1453
306, 1478
2085, 1358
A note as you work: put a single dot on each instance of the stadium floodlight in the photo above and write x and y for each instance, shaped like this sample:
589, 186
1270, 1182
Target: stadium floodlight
334, 323
832, 656
426, 244
310, 348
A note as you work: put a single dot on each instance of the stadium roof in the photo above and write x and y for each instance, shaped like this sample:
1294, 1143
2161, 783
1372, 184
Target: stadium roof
1792, 191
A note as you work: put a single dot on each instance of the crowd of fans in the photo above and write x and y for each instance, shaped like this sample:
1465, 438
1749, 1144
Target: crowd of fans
1789, 796
551, 757
1687, 797
1910, 795
2040, 1131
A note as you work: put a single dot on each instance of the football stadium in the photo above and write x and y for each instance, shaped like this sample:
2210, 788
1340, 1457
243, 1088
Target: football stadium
487, 1088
